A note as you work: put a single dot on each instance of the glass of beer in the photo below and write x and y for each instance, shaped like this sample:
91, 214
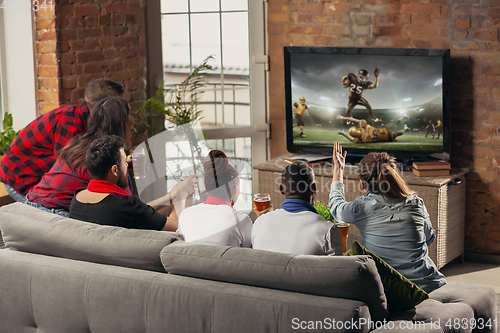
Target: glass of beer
344, 230
262, 201
139, 162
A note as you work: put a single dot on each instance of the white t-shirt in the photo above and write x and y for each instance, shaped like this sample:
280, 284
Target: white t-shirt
215, 225
297, 233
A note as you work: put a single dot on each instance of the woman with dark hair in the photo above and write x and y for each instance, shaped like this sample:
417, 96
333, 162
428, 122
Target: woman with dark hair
215, 221
392, 220
111, 116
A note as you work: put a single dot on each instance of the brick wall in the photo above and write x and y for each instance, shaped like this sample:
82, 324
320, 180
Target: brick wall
81, 40
470, 28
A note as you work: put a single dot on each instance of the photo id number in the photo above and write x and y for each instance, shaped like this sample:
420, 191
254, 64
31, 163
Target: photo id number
25, 5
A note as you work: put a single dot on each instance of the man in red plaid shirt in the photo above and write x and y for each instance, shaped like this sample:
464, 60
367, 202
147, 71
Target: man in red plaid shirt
34, 150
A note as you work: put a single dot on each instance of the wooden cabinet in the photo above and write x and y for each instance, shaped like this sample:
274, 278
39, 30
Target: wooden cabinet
444, 198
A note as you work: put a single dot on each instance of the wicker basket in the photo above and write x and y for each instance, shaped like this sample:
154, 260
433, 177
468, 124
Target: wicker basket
445, 203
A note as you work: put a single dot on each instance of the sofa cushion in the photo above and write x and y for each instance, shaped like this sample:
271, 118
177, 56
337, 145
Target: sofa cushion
29, 229
401, 293
354, 278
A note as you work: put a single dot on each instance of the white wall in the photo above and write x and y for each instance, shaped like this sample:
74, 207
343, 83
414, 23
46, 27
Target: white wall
17, 66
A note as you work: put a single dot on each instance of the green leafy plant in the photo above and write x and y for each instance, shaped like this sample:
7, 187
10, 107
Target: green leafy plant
8, 134
179, 105
324, 211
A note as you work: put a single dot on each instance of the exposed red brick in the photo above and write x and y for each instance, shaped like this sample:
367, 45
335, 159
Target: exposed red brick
461, 23
67, 34
46, 47
362, 19
48, 95
421, 19
91, 21
84, 10
421, 43
47, 71
494, 13
117, 19
445, 10
104, 20
48, 23
419, 31
495, 118
304, 18
83, 33
87, 56
463, 11
461, 33
305, 29
381, 9
69, 82
486, 35
426, 8
440, 43
68, 58
73, 22
48, 83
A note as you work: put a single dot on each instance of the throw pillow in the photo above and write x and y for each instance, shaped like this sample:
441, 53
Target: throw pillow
401, 293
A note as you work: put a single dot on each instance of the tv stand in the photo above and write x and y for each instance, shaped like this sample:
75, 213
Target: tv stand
444, 198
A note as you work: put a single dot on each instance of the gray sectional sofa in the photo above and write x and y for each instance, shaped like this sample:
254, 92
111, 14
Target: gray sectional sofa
61, 275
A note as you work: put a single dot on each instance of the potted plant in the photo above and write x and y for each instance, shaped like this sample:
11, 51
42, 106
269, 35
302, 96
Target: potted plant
179, 106
8, 134
324, 211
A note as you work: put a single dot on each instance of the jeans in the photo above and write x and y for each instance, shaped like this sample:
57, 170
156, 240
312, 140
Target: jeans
14, 194
58, 211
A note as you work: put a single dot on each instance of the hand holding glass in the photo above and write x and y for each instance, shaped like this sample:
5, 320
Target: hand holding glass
262, 201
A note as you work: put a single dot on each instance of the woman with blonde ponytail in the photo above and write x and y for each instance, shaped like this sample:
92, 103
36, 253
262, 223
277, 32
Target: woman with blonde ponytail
393, 221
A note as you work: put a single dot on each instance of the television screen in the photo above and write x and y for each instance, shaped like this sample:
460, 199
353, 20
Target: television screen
367, 99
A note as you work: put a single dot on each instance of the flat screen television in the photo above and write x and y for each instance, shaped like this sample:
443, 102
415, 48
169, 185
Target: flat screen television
406, 111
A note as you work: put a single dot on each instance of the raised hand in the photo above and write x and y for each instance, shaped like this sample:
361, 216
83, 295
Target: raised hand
338, 157
345, 81
377, 72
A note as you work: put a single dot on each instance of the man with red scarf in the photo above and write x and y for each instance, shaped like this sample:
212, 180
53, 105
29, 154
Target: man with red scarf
106, 202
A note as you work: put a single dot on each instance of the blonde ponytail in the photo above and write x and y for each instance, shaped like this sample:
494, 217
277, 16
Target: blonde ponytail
381, 173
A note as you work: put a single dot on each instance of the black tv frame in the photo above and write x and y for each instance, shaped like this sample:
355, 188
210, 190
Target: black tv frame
355, 153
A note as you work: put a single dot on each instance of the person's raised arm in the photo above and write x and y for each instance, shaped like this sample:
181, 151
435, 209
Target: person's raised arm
338, 162
340, 209
375, 84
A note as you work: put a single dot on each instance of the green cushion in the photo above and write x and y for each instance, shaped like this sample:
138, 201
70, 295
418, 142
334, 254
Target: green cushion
401, 293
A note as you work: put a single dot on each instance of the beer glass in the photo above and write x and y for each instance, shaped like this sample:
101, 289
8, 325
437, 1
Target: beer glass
139, 163
262, 201
344, 230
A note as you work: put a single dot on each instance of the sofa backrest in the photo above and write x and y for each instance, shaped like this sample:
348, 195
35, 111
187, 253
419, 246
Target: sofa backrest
28, 229
354, 277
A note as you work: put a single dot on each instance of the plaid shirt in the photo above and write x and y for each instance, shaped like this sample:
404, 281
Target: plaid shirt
34, 150
58, 186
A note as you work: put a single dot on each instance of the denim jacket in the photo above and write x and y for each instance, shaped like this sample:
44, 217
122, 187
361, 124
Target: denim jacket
397, 230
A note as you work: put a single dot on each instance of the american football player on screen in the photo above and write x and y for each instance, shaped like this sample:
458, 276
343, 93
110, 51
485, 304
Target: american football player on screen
357, 84
364, 133
298, 110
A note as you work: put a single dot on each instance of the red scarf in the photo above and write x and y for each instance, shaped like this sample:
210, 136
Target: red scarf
217, 201
102, 186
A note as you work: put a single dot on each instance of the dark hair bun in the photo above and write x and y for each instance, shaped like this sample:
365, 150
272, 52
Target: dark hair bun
217, 170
